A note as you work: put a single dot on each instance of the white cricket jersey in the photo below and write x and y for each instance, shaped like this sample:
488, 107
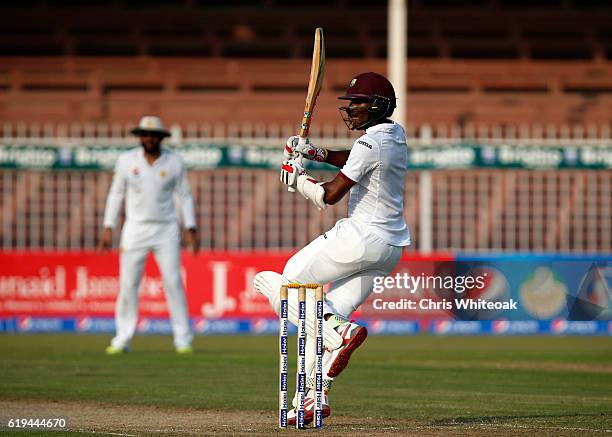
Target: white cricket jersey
149, 190
377, 163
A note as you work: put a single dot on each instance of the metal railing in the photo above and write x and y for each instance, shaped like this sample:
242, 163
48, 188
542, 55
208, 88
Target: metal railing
335, 136
240, 209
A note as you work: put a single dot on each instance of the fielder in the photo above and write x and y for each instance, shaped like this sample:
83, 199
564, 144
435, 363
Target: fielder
149, 177
357, 249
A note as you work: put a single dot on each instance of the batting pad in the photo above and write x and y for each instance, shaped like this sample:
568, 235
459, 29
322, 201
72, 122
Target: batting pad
269, 284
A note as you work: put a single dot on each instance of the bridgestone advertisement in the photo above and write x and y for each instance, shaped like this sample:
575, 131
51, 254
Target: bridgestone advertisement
210, 156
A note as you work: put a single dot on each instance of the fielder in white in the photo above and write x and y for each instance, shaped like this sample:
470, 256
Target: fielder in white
148, 178
367, 244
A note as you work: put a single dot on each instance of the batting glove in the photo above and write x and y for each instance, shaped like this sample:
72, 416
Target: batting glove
290, 170
306, 149
289, 148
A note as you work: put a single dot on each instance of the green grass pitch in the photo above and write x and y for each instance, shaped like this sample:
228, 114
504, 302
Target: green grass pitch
422, 384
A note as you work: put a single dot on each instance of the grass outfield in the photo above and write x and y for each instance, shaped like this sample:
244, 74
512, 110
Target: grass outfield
425, 385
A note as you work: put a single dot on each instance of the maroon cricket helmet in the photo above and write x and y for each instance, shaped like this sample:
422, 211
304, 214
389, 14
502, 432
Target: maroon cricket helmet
377, 91
369, 86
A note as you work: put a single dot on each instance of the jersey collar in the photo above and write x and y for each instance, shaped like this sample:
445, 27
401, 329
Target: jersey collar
379, 127
162, 156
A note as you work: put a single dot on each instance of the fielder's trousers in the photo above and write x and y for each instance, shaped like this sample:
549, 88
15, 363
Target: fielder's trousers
167, 254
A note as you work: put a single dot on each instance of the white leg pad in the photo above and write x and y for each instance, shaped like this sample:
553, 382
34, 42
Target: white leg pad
269, 283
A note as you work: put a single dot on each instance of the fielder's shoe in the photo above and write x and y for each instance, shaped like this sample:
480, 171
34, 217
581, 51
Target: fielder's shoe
112, 350
184, 350
309, 409
353, 335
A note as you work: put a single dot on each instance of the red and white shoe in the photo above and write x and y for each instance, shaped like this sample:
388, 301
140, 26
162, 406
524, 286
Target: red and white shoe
309, 409
353, 336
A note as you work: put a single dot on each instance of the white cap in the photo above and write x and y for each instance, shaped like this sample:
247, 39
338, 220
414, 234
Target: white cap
150, 123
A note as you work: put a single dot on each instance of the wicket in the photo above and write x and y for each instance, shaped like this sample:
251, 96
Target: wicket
301, 351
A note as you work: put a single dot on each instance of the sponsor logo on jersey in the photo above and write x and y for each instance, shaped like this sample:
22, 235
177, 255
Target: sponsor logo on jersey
363, 143
163, 174
135, 171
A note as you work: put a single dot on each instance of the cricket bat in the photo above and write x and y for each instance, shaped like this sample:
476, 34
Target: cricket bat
314, 86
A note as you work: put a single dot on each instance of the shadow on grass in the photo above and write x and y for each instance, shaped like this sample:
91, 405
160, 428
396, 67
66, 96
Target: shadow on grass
496, 419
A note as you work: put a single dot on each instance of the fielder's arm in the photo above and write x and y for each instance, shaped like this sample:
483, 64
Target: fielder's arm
114, 201
183, 191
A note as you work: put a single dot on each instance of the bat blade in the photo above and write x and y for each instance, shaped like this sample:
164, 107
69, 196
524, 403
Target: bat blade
314, 85
315, 82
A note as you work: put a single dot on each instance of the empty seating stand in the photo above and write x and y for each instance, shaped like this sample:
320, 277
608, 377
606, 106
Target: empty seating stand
470, 61
185, 90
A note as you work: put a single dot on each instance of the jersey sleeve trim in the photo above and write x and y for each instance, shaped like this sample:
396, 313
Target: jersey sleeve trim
346, 177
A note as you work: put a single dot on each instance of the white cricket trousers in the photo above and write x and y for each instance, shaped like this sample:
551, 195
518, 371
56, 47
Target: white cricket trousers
349, 256
167, 252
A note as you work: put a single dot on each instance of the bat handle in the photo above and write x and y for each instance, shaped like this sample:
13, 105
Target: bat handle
298, 157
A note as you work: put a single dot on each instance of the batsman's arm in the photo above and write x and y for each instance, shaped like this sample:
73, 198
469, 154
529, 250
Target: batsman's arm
314, 153
360, 159
355, 163
323, 193
337, 158
337, 188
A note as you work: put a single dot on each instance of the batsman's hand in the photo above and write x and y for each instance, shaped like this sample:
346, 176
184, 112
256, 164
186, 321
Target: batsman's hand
289, 148
106, 240
290, 170
306, 149
190, 239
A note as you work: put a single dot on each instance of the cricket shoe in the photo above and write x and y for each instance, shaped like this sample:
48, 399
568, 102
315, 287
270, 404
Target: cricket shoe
112, 350
184, 350
309, 410
352, 337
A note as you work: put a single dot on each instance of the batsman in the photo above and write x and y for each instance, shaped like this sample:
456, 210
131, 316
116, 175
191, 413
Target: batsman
366, 244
